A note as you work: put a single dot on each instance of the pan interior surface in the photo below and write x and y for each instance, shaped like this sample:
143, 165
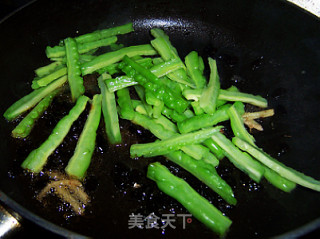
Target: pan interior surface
263, 47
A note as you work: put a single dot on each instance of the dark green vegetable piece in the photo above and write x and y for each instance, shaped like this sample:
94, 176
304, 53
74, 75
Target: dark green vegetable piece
204, 120
113, 68
115, 56
38, 157
214, 148
30, 100
24, 128
159, 70
173, 115
278, 181
152, 84
196, 204
172, 144
109, 110
277, 166
205, 173
74, 72
80, 161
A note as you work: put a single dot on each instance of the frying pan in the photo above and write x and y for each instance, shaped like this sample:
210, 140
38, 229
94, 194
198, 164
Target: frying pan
264, 47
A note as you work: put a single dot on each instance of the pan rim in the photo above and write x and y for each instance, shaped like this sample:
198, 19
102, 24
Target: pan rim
27, 214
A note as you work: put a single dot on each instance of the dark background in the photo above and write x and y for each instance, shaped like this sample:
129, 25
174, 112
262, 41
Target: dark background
29, 229
8, 6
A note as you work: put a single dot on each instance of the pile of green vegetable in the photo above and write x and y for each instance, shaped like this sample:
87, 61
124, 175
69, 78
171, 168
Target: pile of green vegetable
176, 103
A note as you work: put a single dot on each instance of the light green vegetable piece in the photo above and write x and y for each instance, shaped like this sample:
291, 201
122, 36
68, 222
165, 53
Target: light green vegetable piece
38, 157
80, 161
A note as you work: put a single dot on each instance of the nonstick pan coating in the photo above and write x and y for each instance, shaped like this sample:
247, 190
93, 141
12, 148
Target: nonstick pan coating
263, 47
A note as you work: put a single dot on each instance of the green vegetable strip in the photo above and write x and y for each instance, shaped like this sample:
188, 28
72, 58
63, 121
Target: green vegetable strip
172, 144
204, 120
30, 100
113, 68
277, 166
82, 58
164, 121
125, 104
46, 70
80, 161
104, 33
157, 105
24, 128
180, 76
243, 97
196, 151
115, 47
149, 124
241, 160
158, 70
194, 69
205, 173
86, 57
166, 52
172, 51
196, 204
166, 67
200, 152
192, 94
201, 64
44, 81
173, 85
120, 82
110, 114
278, 181
195, 94
38, 157
157, 109
115, 56
74, 73
237, 125
214, 148
173, 115
60, 51
142, 95
208, 99
196, 108
152, 84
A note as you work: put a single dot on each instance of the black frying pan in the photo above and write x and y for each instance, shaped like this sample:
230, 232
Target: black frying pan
263, 47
